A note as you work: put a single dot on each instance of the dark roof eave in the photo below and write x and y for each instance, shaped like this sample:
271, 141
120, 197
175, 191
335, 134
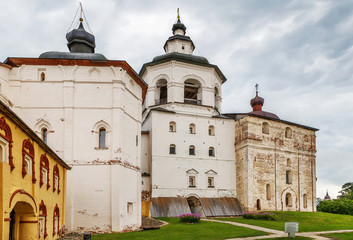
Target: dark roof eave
173, 57
273, 119
19, 122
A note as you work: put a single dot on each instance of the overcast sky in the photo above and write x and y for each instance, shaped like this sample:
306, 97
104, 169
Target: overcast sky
300, 53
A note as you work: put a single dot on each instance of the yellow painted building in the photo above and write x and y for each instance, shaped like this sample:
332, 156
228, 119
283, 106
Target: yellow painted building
32, 183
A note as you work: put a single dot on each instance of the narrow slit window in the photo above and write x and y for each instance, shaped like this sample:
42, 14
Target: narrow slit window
45, 135
102, 138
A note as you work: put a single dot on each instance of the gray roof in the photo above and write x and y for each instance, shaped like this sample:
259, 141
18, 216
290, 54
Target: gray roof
181, 57
74, 55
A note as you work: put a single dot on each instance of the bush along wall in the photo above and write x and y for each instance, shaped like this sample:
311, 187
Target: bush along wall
190, 218
259, 215
338, 206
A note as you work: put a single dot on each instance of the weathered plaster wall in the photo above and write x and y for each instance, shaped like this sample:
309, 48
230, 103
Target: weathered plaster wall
264, 159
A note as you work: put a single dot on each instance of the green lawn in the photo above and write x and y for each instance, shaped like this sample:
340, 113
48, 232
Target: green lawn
308, 221
175, 230
285, 238
343, 236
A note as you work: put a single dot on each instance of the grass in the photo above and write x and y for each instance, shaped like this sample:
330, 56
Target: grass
343, 236
176, 230
308, 221
286, 238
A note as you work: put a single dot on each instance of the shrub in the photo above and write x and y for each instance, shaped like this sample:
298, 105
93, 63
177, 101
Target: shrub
190, 218
338, 206
259, 215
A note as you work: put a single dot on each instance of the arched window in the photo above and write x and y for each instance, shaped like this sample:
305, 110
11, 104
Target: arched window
6, 134
28, 166
192, 128
217, 98
44, 171
258, 204
211, 130
161, 92
56, 217
172, 127
4, 150
288, 132
42, 220
306, 138
305, 201
172, 149
265, 128
268, 191
288, 162
288, 177
44, 132
288, 200
102, 137
210, 182
191, 150
56, 178
211, 152
192, 92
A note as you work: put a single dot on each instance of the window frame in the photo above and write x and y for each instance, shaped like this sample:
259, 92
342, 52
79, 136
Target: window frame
44, 166
172, 149
192, 150
211, 152
28, 159
43, 215
56, 178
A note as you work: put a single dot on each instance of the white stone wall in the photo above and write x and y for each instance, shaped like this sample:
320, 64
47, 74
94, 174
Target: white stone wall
170, 177
176, 73
72, 103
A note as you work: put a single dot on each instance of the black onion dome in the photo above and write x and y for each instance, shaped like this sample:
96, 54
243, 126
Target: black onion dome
79, 40
178, 25
257, 101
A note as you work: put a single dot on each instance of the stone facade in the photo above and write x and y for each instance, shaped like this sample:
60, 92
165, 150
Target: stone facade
275, 165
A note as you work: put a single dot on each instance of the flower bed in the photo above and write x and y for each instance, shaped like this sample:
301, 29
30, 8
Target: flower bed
259, 215
190, 218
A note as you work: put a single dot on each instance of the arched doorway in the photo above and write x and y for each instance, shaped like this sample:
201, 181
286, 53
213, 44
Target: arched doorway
195, 206
24, 223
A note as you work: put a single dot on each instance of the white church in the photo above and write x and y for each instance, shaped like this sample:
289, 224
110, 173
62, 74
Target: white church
156, 143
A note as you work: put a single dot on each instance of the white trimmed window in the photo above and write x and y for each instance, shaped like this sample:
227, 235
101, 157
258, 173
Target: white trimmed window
28, 164
130, 206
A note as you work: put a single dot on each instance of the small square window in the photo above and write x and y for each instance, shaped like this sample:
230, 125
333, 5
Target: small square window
210, 182
192, 182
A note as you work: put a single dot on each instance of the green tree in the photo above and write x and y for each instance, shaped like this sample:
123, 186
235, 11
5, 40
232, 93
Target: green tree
347, 191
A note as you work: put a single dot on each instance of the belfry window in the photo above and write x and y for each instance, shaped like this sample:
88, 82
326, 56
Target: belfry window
192, 92
102, 138
161, 92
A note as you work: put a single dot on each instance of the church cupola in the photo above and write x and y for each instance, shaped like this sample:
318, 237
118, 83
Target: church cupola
257, 102
179, 42
179, 27
79, 40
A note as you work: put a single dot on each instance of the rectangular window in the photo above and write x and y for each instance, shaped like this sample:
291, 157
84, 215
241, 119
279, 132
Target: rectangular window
192, 181
56, 184
129, 207
172, 149
45, 175
28, 162
210, 182
41, 226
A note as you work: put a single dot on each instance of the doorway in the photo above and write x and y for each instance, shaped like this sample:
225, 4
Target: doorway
12, 225
195, 206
